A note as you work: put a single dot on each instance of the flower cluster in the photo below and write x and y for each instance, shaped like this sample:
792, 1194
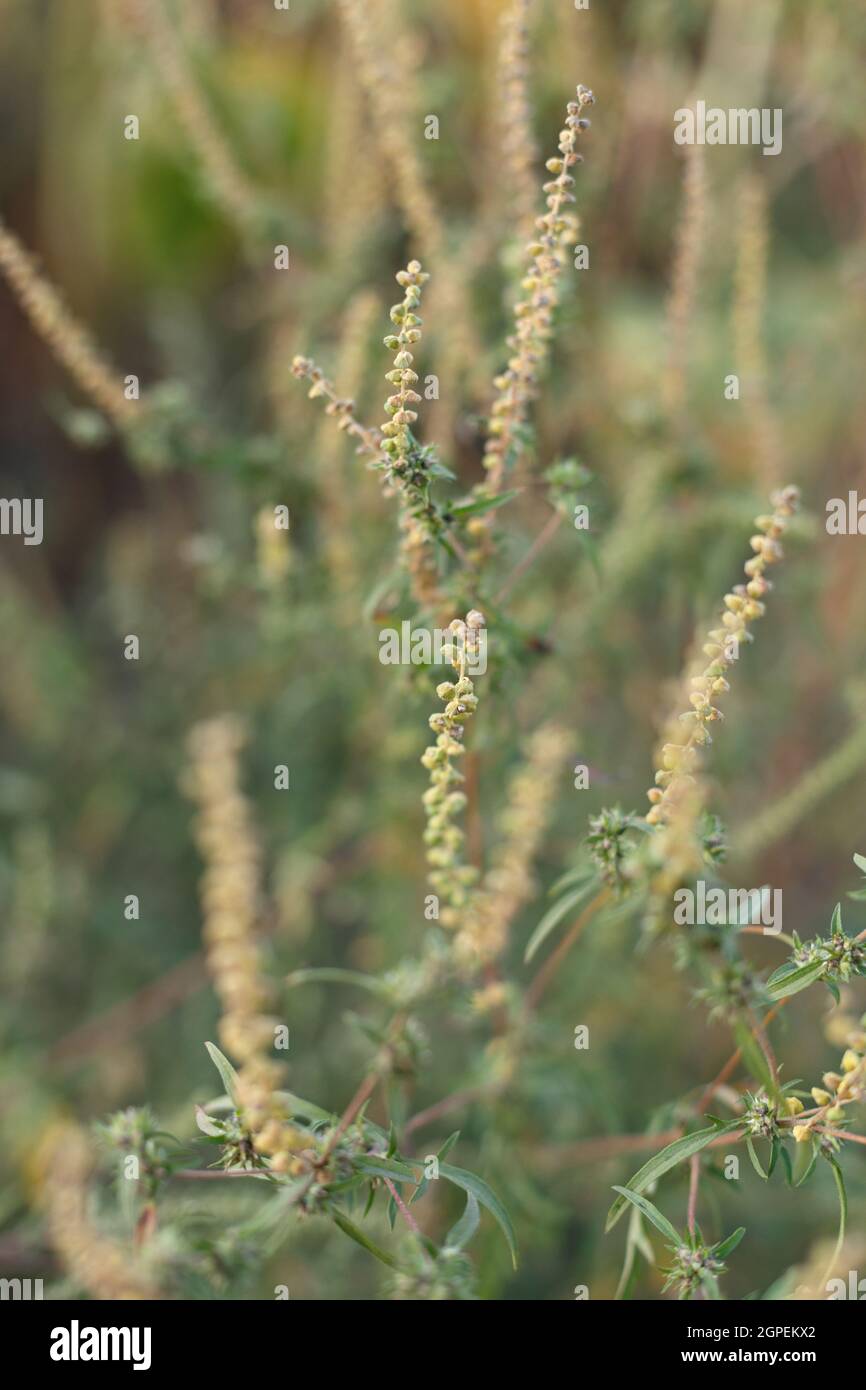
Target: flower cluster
742, 607
692, 1268
340, 408
65, 336
556, 229
518, 144
841, 955
443, 801
98, 1263
839, 1089
508, 883
230, 900
397, 435
607, 843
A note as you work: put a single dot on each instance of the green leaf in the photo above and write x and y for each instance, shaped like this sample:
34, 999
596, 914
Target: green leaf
326, 974
836, 928
636, 1240
553, 917
781, 986
355, 1233
860, 862
786, 1164
666, 1159
727, 1246
590, 545
448, 1145
843, 1209
296, 1105
806, 1159
461, 1234
575, 877
753, 1057
382, 1167
756, 1162
207, 1125
483, 504
470, 1182
227, 1072
652, 1214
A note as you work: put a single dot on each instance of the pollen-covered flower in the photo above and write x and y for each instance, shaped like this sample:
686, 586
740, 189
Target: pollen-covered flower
680, 754
556, 230
508, 883
444, 801
231, 903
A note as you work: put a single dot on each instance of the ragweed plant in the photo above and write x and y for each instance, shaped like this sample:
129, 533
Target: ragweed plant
444, 802
555, 231
405, 880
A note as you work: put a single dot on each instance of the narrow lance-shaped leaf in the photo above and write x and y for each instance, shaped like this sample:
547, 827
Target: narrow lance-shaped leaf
227, 1072
461, 1233
652, 1214
780, 986
668, 1158
470, 1182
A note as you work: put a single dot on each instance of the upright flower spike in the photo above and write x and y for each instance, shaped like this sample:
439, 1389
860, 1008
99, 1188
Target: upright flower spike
338, 407
230, 899
397, 436
680, 756
507, 886
518, 385
449, 874
393, 450
68, 339
518, 143
99, 1264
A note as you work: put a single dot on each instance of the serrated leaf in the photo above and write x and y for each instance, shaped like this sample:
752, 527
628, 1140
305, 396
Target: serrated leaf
668, 1158
227, 1072
652, 1214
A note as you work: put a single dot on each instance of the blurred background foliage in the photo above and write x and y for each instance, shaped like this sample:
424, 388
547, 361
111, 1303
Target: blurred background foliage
99, 1012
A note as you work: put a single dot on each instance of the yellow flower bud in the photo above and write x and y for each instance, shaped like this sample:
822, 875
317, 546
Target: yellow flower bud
820, 1097
793, 1106
850, 1060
